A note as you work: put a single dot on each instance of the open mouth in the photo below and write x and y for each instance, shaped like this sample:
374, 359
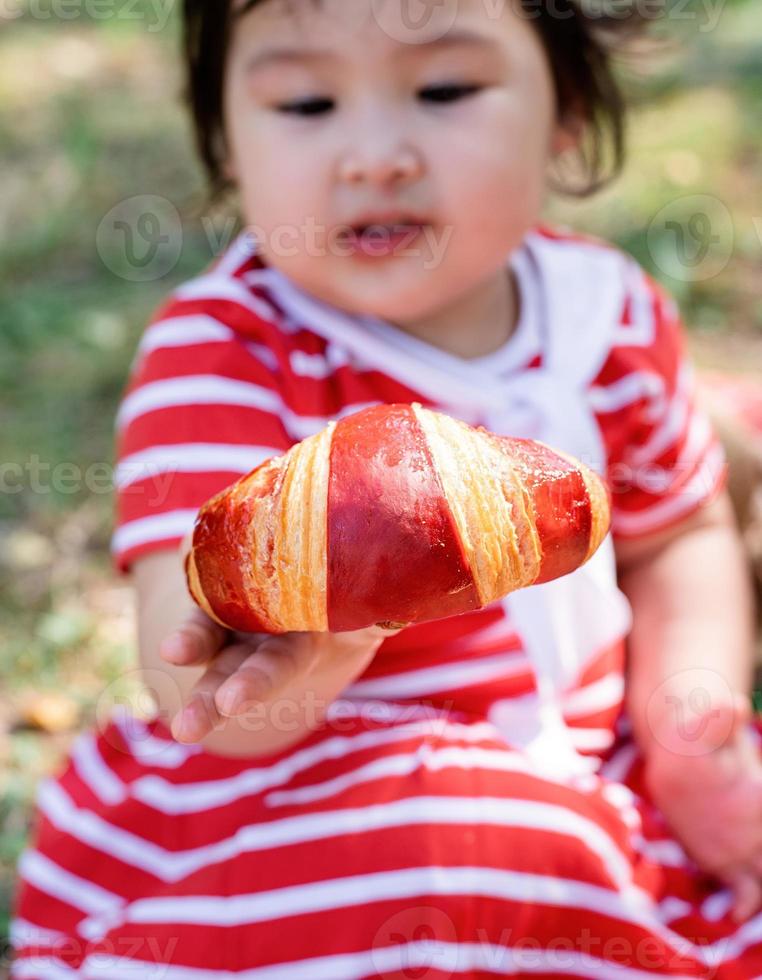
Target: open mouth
382, 239
380, 229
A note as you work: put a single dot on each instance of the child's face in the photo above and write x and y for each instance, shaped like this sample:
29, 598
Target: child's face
380, 134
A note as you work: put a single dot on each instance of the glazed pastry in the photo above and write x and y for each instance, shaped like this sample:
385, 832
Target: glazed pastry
394, 515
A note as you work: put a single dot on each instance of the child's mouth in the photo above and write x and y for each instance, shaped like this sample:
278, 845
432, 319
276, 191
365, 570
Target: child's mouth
379, 240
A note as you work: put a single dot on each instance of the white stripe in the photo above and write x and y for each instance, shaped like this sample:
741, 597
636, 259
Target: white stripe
157, 527
658, 479
618, 767
631, 388
445, 677
240, 250
665, 852
215, 286
385, 712
672, 908
591, 739
264, 354
196, 389
600, 695
191, 457
671, 427
417, 958
717, 905
361, 890
49, 877
184, 331
486, 812
425, 757
147, 748
642, 328
211, 389
169, 797
94, 772
25, 933
317, 366
406, 883
502, 632
43, 966
697, 488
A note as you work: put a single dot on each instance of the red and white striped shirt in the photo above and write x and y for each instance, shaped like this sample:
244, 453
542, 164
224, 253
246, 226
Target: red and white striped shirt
412, 840
226, 376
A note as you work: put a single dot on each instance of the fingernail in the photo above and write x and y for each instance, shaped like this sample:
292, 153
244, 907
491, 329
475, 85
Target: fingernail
171, 647
228, 701
181, 724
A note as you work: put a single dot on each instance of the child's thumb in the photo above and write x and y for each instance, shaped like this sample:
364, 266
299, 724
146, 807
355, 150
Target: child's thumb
747, 895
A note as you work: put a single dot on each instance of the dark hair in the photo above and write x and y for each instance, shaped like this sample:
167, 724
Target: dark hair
580, 38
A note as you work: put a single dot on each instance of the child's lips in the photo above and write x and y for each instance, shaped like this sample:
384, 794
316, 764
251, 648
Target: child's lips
378, 240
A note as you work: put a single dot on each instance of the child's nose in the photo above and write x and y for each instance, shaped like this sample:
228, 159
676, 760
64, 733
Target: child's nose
381, 161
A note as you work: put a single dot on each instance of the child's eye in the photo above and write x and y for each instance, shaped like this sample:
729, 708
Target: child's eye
317, 105
306, 107
447, 93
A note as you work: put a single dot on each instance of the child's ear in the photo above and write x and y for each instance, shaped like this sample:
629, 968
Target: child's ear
229, 171
567, 134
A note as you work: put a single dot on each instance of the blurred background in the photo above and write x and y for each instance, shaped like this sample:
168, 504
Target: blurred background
98, 167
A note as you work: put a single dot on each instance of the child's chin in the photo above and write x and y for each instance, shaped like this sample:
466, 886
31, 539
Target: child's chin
396, 303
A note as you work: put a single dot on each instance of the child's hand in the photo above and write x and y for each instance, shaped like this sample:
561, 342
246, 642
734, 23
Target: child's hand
713, 802
243, 668
247, 667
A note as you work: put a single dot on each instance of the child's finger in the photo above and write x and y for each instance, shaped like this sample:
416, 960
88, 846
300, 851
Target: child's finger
200, 714
194, 641
277, 662
747, 895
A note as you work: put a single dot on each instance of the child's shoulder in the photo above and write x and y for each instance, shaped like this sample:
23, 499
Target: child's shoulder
230, 293
596, 295
589, 253
232, 310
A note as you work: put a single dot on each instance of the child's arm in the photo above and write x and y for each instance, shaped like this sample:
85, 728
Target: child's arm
284, 703
690, 667
692, 632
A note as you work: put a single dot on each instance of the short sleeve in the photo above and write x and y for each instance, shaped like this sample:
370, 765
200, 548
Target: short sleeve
201, 408
664, 460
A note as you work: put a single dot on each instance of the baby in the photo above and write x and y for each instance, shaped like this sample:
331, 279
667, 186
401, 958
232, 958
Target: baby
392, 165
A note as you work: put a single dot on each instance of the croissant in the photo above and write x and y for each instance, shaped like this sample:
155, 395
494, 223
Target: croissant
395, 515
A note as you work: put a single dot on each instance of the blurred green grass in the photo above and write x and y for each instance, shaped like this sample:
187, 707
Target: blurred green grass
88, 118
